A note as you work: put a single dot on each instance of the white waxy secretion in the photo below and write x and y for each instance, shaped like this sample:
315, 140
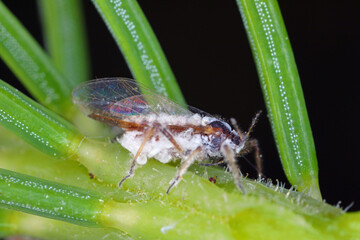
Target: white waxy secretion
160, 148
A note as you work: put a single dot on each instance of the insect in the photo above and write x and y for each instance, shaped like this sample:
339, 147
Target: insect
213, 180
156, 127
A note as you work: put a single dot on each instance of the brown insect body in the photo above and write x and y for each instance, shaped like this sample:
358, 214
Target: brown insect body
155, 127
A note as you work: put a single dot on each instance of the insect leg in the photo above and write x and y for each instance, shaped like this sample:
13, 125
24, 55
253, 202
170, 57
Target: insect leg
147, 137
187, 163
169, 136
230, 160
254, 145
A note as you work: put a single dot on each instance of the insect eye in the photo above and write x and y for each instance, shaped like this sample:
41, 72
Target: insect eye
235, 139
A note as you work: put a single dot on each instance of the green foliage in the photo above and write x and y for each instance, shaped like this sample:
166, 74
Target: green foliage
55, 172
31, 65
49, 199
142, 51
282, 92
65, 38
35, 124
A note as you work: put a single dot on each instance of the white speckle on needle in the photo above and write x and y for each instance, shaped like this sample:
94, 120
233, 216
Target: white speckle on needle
167, 228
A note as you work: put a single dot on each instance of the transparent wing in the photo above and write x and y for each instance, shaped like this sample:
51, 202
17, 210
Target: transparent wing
119, 98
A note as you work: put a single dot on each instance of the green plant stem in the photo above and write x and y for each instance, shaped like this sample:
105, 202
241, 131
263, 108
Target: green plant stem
65, 38
32, 66
282, 91
162, 221
138, 43
168, 219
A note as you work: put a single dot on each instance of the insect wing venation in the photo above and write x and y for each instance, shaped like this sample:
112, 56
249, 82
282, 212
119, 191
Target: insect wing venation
120, 98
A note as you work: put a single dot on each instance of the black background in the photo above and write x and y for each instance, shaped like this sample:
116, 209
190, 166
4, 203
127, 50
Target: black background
207, 48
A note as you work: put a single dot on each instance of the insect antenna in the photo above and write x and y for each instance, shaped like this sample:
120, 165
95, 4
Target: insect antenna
237, 128
254, 120
251, 144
